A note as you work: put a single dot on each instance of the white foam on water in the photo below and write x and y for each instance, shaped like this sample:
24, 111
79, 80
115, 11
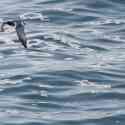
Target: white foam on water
44, 93
87, 83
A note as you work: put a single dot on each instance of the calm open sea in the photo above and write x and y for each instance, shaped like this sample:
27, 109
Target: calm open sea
73, 72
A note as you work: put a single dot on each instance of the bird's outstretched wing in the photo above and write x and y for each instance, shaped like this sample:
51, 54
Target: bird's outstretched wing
21, 34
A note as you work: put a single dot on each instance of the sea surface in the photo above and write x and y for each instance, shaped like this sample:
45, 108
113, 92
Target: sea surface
73, 72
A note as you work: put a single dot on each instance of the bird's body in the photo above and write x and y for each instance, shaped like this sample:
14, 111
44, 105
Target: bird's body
19, 27
20, 33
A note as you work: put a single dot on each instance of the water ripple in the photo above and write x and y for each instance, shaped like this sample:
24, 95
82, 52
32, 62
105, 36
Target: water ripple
73, 70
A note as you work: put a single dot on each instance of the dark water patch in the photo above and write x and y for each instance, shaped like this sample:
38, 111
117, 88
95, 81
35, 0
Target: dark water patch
16, 77
94, 47
15, 90
8, 52
49, 2
118, 119
2, 42
109, 42
100, 4
118, 1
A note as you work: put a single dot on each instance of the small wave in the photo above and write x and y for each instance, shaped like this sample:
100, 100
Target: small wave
33, 16
87, 83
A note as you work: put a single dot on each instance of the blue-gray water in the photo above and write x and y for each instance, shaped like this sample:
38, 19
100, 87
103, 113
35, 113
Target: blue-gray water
73, 72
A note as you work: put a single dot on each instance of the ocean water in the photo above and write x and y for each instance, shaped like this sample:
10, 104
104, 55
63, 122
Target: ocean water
73, 72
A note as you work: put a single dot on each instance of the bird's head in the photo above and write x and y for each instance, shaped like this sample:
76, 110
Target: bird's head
8, 26
18, 26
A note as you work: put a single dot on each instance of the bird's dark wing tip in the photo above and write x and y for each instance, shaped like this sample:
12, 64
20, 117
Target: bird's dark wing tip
25, 45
